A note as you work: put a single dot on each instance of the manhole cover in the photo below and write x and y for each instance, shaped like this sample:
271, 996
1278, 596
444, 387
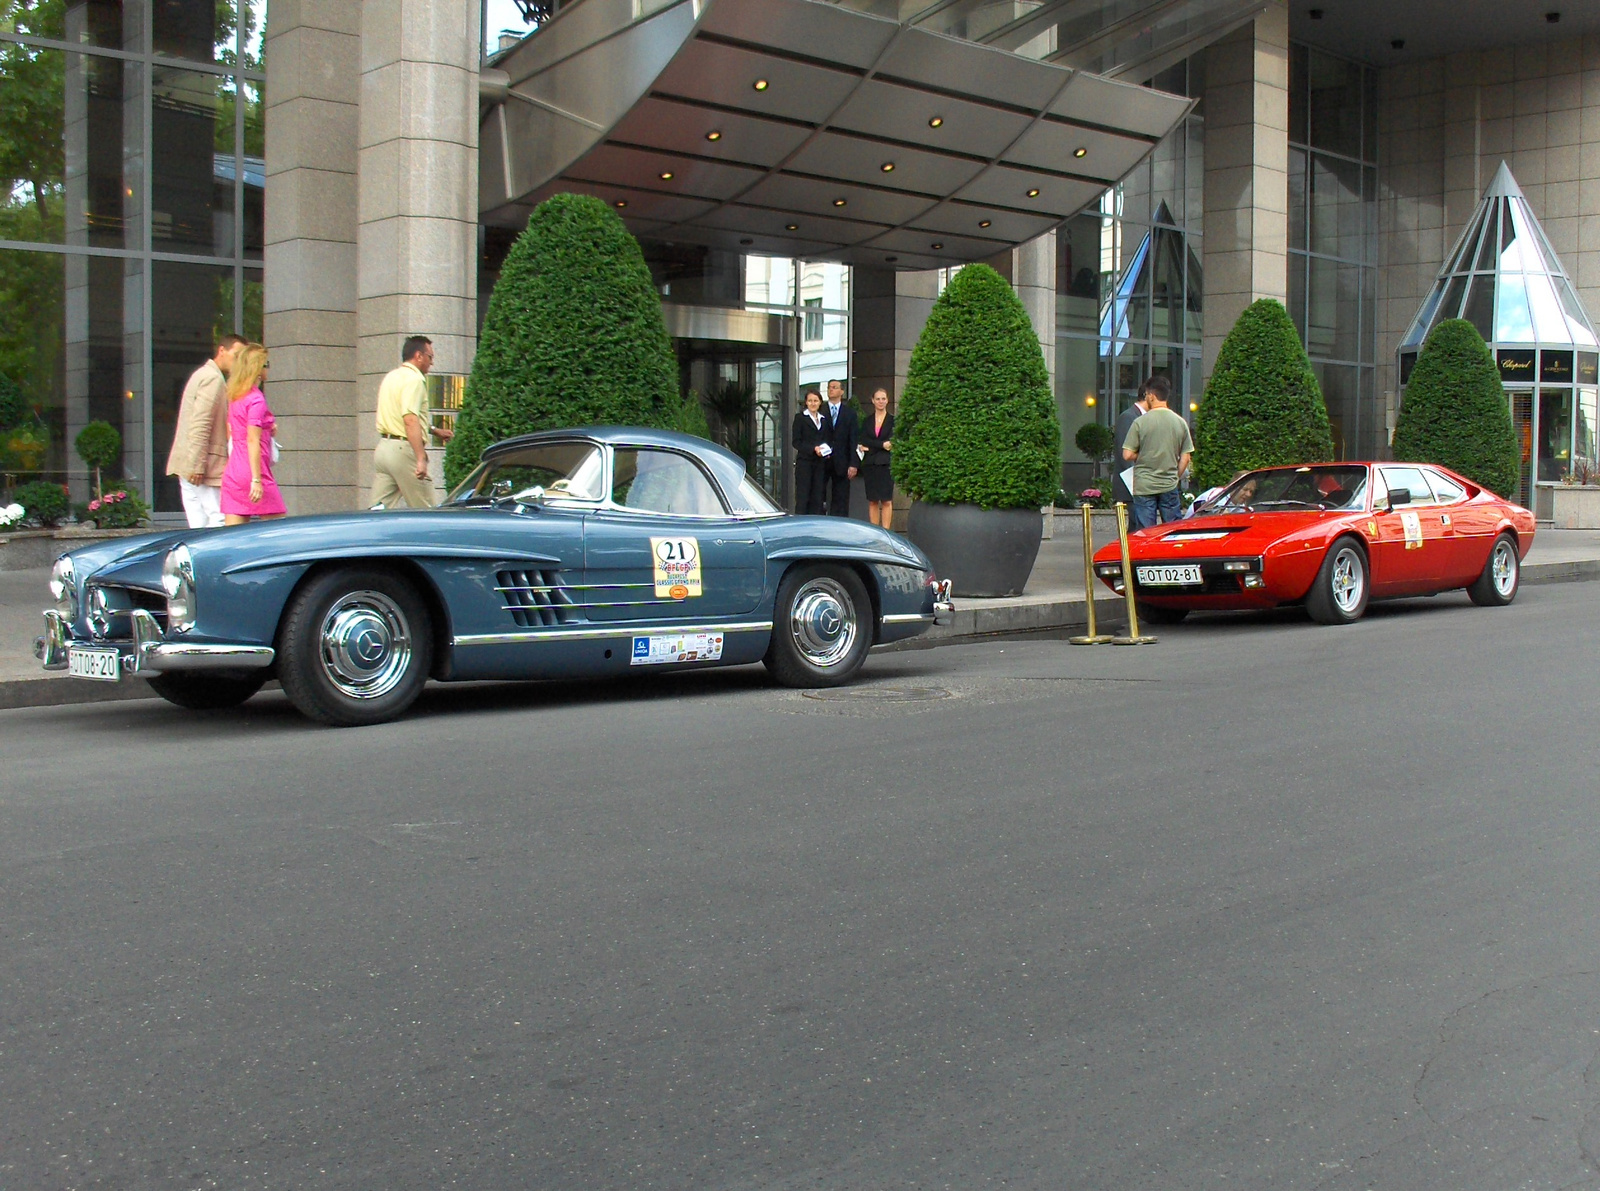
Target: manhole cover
880, 694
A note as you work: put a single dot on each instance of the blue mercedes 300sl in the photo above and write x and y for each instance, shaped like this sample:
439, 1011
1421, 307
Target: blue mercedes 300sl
565, 554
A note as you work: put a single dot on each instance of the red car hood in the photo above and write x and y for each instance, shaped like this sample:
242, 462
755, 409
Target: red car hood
1230, 535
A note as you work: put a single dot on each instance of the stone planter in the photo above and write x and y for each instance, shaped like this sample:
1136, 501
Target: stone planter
983, 552
1575, 506
26, 549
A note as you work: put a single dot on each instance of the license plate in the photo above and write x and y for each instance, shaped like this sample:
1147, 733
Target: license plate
104, 665
1169, 576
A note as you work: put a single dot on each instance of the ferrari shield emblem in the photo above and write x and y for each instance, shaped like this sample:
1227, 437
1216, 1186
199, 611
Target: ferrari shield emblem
677, 567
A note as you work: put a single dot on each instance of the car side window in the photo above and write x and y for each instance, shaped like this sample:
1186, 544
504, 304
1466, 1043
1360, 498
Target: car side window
1412, 478
662, 482
1446, 490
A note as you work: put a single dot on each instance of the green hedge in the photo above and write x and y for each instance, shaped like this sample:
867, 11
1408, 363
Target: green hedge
45, 502
573, 336
1262, 405
1455, 411
977, 423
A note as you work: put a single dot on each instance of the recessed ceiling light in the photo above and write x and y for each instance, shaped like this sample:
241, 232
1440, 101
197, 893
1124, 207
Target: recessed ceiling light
887, 167
760, 84
838, 202
1316, 14
713, 135
1080, 151
891, 259
1398, 43
747, 240
1034, 193
666, 175
935, 122
937, 246
793, 227
1553, 17
621, 203
983, 223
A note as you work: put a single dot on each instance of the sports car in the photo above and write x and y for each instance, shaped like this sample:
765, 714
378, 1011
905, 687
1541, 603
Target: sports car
607, 550
1330, 536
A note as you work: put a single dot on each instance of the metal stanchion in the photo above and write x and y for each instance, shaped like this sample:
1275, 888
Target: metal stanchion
1133, 637
1094, 636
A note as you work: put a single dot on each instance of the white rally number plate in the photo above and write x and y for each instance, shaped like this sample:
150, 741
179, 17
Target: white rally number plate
1169, 576
102, 664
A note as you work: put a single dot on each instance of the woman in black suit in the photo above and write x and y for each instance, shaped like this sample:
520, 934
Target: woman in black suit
810, 437
874, 436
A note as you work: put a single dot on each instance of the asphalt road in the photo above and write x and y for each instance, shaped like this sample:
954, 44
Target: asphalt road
1267, 905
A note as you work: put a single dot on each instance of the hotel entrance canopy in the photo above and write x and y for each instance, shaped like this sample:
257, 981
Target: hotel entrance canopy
822, 130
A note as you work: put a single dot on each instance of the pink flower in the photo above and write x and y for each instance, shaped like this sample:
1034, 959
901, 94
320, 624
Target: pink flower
94, 506
1091, 493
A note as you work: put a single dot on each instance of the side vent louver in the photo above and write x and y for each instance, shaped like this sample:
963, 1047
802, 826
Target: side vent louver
536, 599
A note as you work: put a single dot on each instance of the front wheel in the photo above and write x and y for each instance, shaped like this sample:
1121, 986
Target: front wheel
206, 692
356, 647
1339, 594
821, 627
1497, 586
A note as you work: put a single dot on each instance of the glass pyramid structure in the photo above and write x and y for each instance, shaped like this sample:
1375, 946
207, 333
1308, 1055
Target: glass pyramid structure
1505, 279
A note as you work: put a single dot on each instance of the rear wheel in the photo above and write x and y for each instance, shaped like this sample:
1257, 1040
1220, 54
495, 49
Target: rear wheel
206, 692
821, 627
357, 646
1497, 586
1150, 614
1339, 594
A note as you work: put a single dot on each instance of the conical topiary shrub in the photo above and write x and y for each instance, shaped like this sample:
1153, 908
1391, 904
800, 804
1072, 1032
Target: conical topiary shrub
976, 440
573, 336
1262, 406
976, 423
1455, 411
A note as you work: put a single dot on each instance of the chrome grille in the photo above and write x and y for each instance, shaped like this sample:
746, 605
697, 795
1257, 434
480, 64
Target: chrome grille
107, 608
536, 599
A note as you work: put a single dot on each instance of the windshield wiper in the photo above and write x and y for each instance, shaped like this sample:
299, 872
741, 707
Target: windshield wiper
1305, 504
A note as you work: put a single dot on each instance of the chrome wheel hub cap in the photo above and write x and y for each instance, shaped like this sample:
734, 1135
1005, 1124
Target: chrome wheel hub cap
823, 622
366, 645
1348, 581
1504, 569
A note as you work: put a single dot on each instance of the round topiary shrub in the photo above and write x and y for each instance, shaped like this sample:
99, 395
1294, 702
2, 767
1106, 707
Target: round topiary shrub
1455, 411
573, 336
1096, 442
1262, 406
976, 423
43, 502
99, 444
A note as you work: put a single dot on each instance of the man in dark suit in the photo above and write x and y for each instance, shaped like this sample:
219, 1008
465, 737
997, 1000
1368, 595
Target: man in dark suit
842, 424
1119, 433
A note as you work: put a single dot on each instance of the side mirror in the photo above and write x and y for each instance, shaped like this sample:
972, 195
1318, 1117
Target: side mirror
1399, 496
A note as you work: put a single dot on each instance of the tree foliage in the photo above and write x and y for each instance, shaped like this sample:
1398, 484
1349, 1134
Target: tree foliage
977, 423
1262, 406
1095, 441
1455, 411
44, 502
99, 444
573, 336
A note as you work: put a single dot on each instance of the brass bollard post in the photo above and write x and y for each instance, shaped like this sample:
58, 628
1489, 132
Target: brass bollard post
1133, 637
1094, 636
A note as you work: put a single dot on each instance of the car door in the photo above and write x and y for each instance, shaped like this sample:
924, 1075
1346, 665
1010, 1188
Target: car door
1408, 547
665, 550
1468, 530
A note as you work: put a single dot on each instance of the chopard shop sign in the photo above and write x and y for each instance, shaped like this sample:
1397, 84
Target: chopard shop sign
1516, 364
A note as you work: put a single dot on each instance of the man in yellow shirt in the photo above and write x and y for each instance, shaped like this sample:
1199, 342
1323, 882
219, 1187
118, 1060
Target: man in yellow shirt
400, 462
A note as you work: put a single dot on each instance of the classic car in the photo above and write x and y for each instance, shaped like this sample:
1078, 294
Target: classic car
607, 550
1330, 536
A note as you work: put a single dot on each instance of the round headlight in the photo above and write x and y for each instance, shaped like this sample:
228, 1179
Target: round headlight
64, 587
177, 580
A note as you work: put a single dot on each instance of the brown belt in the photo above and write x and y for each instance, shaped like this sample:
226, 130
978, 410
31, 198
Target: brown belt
396, 437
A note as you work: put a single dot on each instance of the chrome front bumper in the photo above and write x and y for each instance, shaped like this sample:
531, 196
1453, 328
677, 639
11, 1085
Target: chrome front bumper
148, 653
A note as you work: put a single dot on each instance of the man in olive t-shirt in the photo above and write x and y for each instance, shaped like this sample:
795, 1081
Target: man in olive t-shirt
1159, 447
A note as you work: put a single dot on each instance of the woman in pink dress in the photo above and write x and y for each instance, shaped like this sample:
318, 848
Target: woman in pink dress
248, 489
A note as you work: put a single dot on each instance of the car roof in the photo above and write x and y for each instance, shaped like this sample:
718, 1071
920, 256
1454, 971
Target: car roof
631, 436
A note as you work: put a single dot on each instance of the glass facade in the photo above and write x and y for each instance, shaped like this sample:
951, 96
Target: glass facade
132, 146
1128, 280
1333, 238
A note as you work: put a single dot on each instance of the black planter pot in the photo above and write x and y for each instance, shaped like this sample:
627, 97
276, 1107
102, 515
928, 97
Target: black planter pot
983, 552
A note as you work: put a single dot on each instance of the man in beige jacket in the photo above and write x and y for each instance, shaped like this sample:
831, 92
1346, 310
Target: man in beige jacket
200, 439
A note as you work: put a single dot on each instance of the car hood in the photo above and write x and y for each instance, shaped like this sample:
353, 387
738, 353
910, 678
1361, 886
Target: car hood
1226, 534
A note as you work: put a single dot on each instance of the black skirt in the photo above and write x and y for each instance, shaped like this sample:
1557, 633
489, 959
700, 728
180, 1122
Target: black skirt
879, 479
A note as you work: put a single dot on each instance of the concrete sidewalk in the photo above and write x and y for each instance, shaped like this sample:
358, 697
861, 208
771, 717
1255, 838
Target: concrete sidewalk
1054, 600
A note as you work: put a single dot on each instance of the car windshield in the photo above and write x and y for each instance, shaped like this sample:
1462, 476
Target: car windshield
1287, 489
572, 470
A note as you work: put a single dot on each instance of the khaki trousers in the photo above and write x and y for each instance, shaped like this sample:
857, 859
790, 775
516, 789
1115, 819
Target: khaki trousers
394, 477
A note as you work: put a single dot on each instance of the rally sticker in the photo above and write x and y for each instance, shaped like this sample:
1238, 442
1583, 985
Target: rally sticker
667, 648
677, 567
1413, 528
